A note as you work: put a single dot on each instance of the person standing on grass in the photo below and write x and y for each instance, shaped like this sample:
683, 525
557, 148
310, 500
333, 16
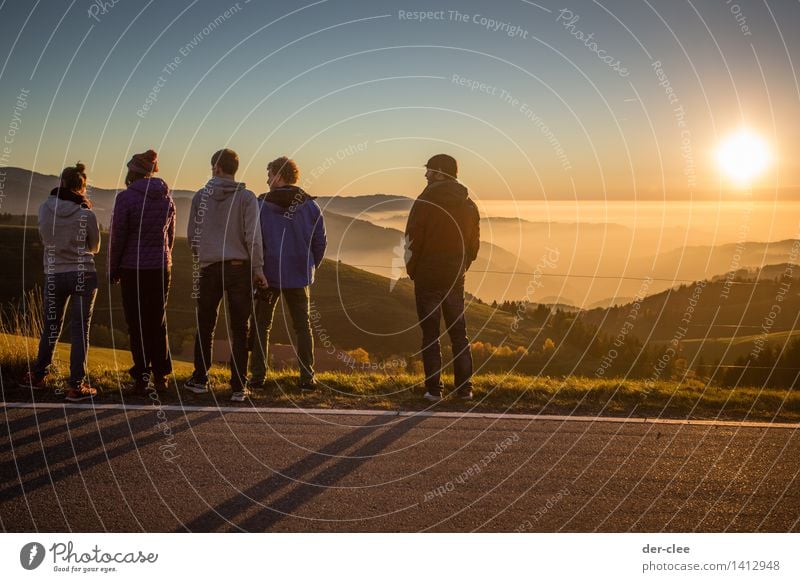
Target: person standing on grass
293, 234
71, 238
443, 238
225, 239
140, 259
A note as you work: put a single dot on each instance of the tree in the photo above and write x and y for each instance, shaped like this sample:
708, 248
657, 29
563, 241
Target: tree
359, 356
700, 368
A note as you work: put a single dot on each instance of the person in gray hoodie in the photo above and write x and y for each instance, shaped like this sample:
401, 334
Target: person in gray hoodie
225, 239
71, 237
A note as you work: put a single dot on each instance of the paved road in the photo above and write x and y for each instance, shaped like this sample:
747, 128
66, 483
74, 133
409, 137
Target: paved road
162, 469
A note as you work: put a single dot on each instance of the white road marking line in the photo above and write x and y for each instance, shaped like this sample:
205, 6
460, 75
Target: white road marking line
423, 413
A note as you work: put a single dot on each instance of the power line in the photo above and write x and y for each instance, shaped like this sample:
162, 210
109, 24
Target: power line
570, 275
746, 366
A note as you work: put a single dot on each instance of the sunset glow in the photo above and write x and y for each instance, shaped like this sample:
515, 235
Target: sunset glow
743, 156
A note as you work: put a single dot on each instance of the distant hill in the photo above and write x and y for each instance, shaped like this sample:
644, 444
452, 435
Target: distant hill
610, 302
380, 250
704, 262
592, 254
607, 262
367, 205
695, 263
26, 190
722, 308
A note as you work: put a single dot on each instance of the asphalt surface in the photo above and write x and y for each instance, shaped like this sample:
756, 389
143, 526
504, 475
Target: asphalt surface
161, 469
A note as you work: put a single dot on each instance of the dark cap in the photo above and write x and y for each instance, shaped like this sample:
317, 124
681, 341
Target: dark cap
443, 164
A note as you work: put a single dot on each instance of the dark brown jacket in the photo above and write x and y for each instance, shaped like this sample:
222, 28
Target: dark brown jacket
442, 235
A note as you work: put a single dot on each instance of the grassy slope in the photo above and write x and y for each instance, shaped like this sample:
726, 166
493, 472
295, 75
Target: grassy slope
513, 393
731, 348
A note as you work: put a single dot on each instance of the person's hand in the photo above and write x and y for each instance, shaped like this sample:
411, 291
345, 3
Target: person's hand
114, 278
259, 280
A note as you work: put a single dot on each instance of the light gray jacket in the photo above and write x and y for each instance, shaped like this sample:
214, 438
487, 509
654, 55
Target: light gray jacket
70, 235
224, 224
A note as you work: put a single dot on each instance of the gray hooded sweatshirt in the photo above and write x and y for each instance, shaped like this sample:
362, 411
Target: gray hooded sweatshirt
70, 235
224, 224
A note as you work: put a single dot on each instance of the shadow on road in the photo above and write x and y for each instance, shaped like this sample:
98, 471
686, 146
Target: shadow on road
228, 512
82, 452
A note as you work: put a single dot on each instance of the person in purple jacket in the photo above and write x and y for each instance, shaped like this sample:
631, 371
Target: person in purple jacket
140, 259
293, 235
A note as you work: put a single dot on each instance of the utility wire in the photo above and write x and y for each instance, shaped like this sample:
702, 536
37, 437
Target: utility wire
570, 275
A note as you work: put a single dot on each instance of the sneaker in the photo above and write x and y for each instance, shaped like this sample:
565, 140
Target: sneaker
464, 394
256, 384
240, 395
160, 384
308, 386
433, 395
140, 385
196, 386
80, 393
33, 381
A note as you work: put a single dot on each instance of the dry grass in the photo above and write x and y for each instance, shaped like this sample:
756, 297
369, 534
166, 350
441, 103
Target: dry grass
511, 393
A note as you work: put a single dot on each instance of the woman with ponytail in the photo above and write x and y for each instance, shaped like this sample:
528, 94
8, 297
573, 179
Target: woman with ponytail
71, 237
140, 259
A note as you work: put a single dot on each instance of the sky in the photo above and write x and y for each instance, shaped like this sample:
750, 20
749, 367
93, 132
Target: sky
578, 100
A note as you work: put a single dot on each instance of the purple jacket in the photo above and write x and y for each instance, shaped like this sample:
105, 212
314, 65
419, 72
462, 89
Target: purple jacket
142, 227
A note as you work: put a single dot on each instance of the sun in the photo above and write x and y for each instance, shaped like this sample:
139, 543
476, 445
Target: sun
743, 156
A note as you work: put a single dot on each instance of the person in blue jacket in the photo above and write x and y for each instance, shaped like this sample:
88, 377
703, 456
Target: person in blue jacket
293, 235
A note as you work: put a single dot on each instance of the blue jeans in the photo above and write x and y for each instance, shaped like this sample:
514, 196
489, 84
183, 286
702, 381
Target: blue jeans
80, 288
432, 305
298, 302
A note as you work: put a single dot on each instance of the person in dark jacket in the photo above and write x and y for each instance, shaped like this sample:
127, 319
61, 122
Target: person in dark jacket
140, 259
443, 238
71, 237
293, 234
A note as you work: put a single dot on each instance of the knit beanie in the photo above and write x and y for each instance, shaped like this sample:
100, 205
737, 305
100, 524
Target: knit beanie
443, 164
146, 163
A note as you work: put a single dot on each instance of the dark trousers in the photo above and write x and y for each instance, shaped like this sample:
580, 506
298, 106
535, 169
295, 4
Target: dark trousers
234, 280
80, 289
144, 299
299, 306
432, 304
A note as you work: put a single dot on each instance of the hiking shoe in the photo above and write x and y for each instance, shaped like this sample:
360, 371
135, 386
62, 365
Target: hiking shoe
33, 381
240, 395
433, 395
196, 386
80, 393
464, 394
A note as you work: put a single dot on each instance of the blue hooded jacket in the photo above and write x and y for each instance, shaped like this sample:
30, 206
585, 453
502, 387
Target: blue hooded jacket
293, 234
